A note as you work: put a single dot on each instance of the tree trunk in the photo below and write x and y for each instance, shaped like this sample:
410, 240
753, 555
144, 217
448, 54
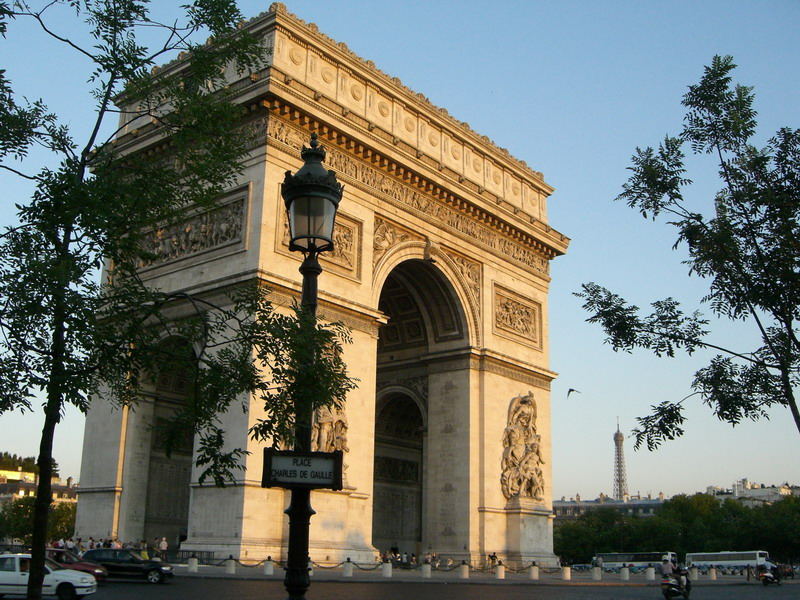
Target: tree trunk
52, 415
41, 510
788, 393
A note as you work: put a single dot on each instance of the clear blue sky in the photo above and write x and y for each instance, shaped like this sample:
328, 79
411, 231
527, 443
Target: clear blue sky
571, 88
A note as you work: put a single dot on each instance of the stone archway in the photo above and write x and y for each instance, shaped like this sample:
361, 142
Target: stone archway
424, 320
397, 507
169, 472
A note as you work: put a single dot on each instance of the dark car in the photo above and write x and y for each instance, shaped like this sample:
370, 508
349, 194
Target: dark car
68, 560
129, 564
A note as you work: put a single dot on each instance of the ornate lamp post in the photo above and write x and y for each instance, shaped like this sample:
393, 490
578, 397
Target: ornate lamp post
312, 197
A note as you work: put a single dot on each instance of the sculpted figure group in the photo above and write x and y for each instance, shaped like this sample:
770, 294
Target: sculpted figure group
521, 467
329, 430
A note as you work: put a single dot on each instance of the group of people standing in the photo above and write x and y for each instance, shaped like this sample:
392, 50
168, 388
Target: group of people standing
156, 548
409, 561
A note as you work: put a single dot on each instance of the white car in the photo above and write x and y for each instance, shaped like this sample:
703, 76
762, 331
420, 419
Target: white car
66, 584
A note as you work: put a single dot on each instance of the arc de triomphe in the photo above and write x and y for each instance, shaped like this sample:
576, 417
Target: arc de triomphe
441, 269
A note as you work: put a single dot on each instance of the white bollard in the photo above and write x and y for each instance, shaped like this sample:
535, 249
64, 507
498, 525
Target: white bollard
566, 573
347, 571
386, 570
426, 571
230, 566
269, 566
192, 563
533, 572
650, 574
712, 574
597, 573
625, 574
500, 571
693, 574
463, 571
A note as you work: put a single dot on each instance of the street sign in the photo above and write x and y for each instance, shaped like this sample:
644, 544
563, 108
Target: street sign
293, 469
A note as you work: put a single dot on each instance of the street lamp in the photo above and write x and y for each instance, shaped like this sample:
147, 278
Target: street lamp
312, 196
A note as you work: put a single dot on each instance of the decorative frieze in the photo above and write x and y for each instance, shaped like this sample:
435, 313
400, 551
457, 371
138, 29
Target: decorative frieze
208, 230
435, 211
517, 317
521, 466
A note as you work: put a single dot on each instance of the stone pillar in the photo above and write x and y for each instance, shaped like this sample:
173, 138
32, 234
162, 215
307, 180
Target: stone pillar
693, 574
597, 573
192, 564
347, 570
650, 574
426, 571
533, 573
269, 566
625, 574
386, 570
566, 573
712, 573
500, 572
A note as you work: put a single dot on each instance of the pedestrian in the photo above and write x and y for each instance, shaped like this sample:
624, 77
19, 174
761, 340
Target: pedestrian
163, 546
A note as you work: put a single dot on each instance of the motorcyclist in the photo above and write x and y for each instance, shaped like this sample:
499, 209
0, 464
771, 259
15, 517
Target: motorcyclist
667, 568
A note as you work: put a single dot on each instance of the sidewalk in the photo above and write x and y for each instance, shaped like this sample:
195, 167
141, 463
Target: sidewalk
450, 577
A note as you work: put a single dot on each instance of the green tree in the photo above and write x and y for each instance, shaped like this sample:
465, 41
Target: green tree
746, 248
64, 335
697, 523
61, 524
11, 462
16, 519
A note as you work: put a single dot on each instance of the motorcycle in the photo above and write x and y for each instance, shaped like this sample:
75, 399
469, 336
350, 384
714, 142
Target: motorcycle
671, 586
768, 578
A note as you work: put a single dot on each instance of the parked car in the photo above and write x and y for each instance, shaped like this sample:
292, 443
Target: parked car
69, 560
129, 564
66, 584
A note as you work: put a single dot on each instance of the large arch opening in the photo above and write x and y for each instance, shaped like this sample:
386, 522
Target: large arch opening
170, 466
397, 509
424, 319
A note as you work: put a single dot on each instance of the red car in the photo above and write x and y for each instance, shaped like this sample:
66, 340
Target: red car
72, 561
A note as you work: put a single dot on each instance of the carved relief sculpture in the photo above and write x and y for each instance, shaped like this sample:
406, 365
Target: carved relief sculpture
470, 271
329, 430
207, 230
518, 317
386, 236
521, 467
346, 241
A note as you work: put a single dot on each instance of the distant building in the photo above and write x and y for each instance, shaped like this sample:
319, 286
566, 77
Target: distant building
16, 475
753, 494
638, 506
19, 484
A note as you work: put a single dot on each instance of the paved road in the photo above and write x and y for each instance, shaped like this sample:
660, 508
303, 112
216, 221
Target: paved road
221, 589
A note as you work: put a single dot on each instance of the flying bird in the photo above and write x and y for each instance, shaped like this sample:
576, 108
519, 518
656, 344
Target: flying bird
570, 390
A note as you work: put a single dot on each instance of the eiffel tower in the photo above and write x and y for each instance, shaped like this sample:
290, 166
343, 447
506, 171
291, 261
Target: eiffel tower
620, 479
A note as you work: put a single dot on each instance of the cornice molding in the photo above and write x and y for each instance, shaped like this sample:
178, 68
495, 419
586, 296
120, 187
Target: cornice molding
385, 171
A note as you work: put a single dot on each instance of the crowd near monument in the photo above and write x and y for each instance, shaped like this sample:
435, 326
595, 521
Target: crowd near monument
441, 271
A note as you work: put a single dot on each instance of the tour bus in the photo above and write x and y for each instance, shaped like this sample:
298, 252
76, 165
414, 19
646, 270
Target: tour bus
750, 558
615, 560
